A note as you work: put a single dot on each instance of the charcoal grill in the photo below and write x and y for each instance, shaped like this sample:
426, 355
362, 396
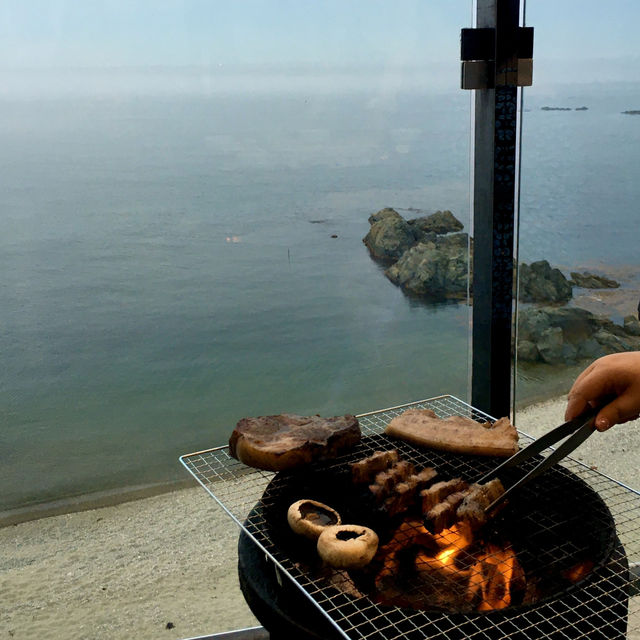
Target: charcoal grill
282, 591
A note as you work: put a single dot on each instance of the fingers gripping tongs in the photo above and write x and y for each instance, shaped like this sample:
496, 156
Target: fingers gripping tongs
575, 431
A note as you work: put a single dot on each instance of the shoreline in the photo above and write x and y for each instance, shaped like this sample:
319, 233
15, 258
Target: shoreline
536, 383
126, 494
90, 501
166, 565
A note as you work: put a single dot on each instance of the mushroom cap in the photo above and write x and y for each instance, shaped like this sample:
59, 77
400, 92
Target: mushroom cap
347, 546
310, 518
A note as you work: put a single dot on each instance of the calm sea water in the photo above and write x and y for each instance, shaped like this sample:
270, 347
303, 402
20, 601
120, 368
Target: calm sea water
168, 263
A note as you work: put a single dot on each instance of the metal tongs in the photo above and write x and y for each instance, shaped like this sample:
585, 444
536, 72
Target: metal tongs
576, 431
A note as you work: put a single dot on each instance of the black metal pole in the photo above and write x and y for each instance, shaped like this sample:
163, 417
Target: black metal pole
493, 216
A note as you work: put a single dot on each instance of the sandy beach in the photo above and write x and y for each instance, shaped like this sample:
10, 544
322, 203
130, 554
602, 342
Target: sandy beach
127, 571
165, 567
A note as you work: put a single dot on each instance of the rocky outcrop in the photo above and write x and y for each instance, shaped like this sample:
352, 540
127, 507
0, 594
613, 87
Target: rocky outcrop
428, 259
435, 269
440, 222
631, 325
539, 282
566, 335
591, 281
390, 235
383, 214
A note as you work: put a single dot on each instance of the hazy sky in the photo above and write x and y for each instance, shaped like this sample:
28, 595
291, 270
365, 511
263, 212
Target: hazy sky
583, 38
178, 32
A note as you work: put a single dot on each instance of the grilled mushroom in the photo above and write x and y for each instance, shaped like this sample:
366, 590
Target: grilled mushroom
347, 546
310, 518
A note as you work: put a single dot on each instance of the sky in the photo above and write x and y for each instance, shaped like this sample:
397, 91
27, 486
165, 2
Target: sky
584, 39
183, 32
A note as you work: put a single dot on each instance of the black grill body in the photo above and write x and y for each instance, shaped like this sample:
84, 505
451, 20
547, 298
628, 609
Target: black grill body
565, 517
558, 520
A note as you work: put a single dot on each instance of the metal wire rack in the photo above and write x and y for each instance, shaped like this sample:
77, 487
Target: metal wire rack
239, 489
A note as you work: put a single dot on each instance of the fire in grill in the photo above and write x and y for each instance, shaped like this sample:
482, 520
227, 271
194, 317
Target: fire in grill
547, 542
448, 570
549, 566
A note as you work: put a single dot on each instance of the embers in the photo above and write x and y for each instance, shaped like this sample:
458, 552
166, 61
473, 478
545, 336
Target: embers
451, 570
494, 577
532, 552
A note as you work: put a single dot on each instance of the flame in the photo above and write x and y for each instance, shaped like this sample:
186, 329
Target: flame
482, 573
459, 536
491, 578
452, 541
447, 556
578, 571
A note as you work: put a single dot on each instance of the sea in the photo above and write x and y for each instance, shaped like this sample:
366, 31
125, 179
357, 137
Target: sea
174, 261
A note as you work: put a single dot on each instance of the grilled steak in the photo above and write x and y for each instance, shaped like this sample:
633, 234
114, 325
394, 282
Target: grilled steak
286, 441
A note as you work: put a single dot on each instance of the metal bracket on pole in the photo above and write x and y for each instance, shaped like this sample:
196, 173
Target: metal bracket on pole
496, 59
478, 55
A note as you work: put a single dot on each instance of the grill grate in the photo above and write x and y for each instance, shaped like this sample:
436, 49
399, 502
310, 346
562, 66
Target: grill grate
597, 611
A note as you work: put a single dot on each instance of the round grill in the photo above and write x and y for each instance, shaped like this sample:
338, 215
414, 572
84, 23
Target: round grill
549, 536
555, 524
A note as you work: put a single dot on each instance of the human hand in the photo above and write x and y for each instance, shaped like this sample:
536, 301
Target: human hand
612, 383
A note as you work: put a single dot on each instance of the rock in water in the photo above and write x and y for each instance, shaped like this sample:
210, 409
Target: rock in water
591, 281
440, 222
436, 270
569, 334
383, 214
632, 326
390, 235
541, 283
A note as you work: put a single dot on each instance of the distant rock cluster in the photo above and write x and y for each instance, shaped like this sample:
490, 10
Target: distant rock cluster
564, 109
631, 112
559, 334
590, 281
428, 257
569, 334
